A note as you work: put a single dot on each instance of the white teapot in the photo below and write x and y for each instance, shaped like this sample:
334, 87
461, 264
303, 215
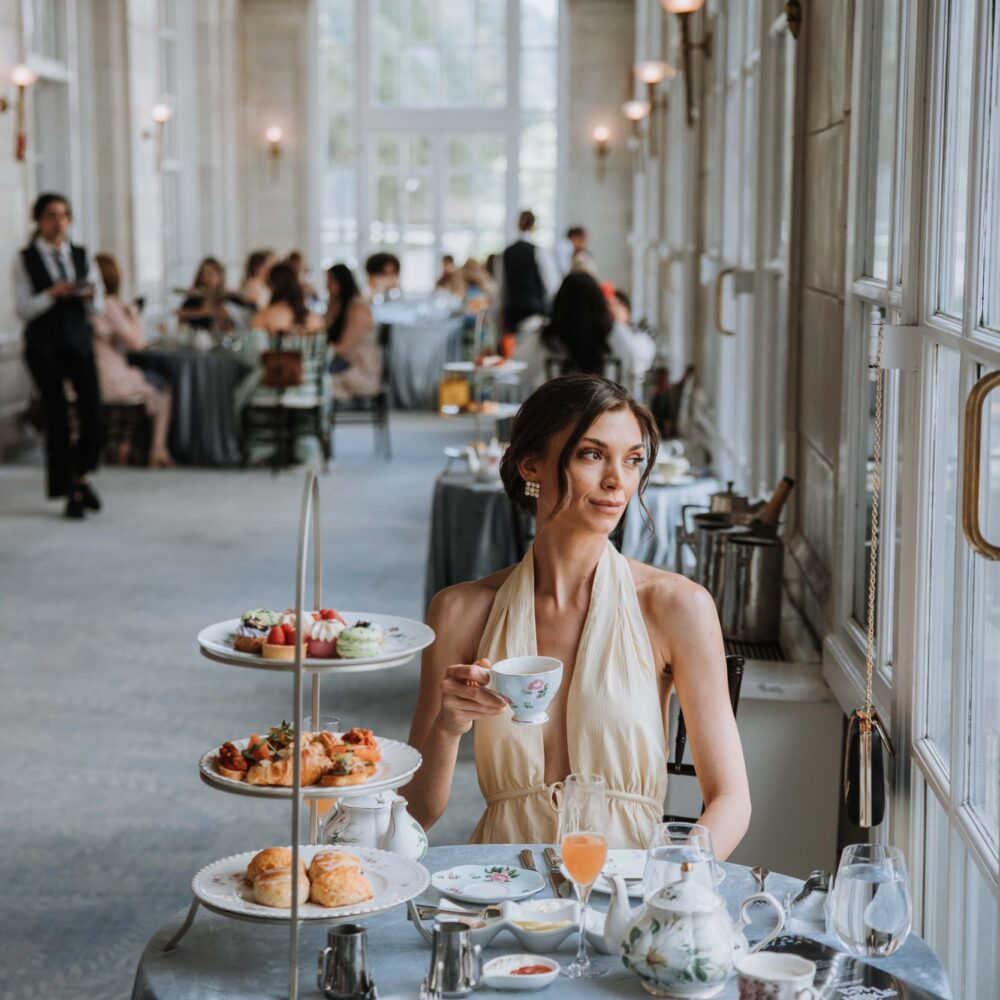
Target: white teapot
682, 943
378, 820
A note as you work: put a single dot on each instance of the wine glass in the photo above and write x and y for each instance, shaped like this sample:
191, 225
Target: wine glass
869, 907
675, 848
584, 844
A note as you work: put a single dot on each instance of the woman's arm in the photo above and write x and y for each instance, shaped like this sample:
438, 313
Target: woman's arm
447, 706
357, 324
126, 327
697, 658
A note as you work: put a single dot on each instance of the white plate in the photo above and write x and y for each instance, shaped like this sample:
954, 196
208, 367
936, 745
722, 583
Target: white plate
497, 973
399, 761
657, 480
630, 864
403, 638
487, 883
467, 367
394, 880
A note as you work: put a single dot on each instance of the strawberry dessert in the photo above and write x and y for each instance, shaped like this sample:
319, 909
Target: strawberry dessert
323, 631
280, 643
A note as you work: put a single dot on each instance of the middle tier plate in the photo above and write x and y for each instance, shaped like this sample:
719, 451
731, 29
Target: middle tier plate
399, 763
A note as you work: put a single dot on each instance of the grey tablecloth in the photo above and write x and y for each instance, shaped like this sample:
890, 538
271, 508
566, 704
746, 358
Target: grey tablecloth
472, 532
226, 959
418, 353
202, 427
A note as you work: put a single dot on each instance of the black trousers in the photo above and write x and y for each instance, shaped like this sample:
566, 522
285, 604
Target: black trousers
52, 364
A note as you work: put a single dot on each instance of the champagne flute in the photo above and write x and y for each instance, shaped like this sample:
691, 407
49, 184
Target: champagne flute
584, 846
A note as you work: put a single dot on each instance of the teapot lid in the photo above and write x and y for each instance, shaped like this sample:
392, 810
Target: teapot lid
686, 896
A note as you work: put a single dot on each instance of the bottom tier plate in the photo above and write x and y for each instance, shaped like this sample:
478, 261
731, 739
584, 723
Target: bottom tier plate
394, 880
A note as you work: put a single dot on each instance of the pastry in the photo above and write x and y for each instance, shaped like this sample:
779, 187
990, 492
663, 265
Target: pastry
362, 639
277, 770
363, 744
322, 637
270, 857
231, 763
346, 768
328, 860
274, 887
253, 628
280, 643
343, 886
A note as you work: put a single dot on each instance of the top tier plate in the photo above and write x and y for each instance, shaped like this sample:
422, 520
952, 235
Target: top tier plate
403, 639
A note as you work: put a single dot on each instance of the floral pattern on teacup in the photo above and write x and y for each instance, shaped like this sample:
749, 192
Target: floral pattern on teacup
754, 989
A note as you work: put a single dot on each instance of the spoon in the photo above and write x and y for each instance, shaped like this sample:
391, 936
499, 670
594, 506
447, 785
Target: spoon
760, 873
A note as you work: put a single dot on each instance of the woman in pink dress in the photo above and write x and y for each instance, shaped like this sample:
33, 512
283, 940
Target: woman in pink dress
116, 331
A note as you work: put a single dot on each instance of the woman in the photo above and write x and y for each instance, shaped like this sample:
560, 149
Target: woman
255, 278
635, 348
119, 330
206, 307
357, 362
625, 632
286, 311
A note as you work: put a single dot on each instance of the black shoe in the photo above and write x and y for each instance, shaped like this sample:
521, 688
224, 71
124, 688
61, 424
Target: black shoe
76, 505
90, 499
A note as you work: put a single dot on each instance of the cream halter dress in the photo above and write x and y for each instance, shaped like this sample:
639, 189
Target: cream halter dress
614, 720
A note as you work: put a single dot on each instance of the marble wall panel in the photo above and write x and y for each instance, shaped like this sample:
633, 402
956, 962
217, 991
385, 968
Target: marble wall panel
824, 210
820, 354
826, 34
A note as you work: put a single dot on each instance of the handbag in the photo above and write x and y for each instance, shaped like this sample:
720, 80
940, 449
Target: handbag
282, 369
867, 738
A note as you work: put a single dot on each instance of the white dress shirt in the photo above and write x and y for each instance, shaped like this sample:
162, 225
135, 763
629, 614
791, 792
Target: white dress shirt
29, 304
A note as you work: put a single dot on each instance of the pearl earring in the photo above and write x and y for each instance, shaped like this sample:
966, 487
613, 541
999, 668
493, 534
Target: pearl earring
532, 489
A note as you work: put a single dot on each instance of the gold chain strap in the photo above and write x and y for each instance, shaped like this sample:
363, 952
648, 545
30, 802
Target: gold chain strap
873, 552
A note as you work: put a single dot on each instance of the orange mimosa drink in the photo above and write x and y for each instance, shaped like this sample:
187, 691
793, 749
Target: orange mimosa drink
584, 855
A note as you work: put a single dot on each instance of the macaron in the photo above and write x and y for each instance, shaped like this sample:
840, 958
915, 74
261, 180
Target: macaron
359, 641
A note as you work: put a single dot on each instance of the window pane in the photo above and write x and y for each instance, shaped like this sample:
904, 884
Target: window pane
46, 28
341, 138
460, 152
421, 25
339, 75
459, 243
387, 21
955, 123
387, 152
540, 22
386, 82
491, 77
387, 199
417, 200
538, 145
336, 21
419, 152
458, 207
539, 89
941, 571
493, 152
491, 23
459, 75
419, 72
991, 231
456, 21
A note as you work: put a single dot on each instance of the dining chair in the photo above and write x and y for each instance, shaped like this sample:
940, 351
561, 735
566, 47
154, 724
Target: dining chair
556, 366
734, 678
369, 409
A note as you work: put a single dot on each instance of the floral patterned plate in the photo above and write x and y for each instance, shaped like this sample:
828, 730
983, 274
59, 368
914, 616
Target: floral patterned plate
487, 883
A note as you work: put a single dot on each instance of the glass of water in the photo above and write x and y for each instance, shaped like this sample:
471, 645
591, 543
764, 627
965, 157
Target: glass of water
676, 848
869, 907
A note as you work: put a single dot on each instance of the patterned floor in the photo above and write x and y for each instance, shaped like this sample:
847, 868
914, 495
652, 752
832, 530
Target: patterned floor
107, 705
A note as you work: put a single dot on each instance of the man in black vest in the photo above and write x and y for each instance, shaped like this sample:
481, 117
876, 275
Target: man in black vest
523, 289
57, 288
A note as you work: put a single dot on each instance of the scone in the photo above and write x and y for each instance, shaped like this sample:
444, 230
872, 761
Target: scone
274, 887
269, 858
343, 886
328, 860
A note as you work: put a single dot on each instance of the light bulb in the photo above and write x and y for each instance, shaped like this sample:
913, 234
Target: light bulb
602, 133
636, 110
682, 6
655, 71
162, 113
274, 134
23, 76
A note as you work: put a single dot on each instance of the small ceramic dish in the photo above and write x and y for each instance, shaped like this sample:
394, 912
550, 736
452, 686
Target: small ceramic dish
487, 883
498, 973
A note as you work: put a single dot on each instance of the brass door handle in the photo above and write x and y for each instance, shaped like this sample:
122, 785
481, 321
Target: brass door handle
971, 474
723, 274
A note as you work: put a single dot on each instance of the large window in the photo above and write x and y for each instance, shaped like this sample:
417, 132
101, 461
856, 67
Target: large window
439, 119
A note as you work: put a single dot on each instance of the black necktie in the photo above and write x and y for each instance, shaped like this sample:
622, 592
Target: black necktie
60, 266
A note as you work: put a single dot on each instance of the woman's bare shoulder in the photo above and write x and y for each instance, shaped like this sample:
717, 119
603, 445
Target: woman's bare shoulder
461, 611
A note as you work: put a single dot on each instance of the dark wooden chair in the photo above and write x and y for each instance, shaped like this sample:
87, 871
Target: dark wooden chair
734, 675
555, 366
127, 434
369, 409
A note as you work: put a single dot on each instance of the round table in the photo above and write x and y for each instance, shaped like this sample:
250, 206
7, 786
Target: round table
202, 424
417, 353
232, 960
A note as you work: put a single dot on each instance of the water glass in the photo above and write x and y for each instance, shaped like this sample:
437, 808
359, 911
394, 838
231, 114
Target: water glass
584, 843
869, 907
675, 848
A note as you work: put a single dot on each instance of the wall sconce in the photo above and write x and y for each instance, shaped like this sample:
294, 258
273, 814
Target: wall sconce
636, 112
684, 9
652, 73
602, 134
22, 77
160, 114
274, 135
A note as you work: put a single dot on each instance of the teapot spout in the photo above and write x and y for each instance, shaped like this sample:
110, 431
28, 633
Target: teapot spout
619, 915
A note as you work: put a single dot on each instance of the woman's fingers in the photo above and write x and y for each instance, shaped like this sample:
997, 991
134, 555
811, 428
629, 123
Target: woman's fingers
473, 695
475, 672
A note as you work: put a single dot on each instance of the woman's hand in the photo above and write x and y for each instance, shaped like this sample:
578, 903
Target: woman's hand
465, 697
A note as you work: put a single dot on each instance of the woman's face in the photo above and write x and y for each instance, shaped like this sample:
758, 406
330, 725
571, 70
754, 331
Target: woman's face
333, 291
210, 278
603, 473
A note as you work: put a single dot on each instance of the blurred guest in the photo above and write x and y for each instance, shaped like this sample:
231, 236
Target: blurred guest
118, 330
635, 348
296, 260
478, 281
207, 307
450, 280
255, 289
493, 265
382, 270
286, 311
357, 362
573, 248
579, 330
57, 290
524, 294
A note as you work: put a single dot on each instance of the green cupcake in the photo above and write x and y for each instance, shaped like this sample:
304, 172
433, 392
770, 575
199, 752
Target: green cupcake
361, 640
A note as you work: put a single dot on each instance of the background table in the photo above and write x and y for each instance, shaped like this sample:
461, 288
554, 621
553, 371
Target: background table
418, 353
232, 960
202, 426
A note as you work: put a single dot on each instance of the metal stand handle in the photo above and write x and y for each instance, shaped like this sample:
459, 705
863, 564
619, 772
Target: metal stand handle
184, 927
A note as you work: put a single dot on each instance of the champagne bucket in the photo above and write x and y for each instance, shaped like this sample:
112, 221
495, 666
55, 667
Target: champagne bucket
343, 972
750, 605
456, 963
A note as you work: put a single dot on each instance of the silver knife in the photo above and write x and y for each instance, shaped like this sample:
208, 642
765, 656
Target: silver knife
561, 886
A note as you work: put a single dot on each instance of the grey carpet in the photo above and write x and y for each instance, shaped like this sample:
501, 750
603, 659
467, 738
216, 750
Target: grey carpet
107, 704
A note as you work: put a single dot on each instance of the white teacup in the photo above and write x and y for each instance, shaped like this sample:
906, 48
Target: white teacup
672, 466
528, 684
771, 975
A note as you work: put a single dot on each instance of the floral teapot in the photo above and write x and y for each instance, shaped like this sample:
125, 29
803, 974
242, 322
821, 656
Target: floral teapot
378, 820
682, 943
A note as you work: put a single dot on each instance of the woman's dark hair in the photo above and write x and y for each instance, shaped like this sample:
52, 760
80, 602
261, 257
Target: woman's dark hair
285, 287
255, 261
553, 407
347, 289
208, 262
111, 276
43, 201
580, 324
